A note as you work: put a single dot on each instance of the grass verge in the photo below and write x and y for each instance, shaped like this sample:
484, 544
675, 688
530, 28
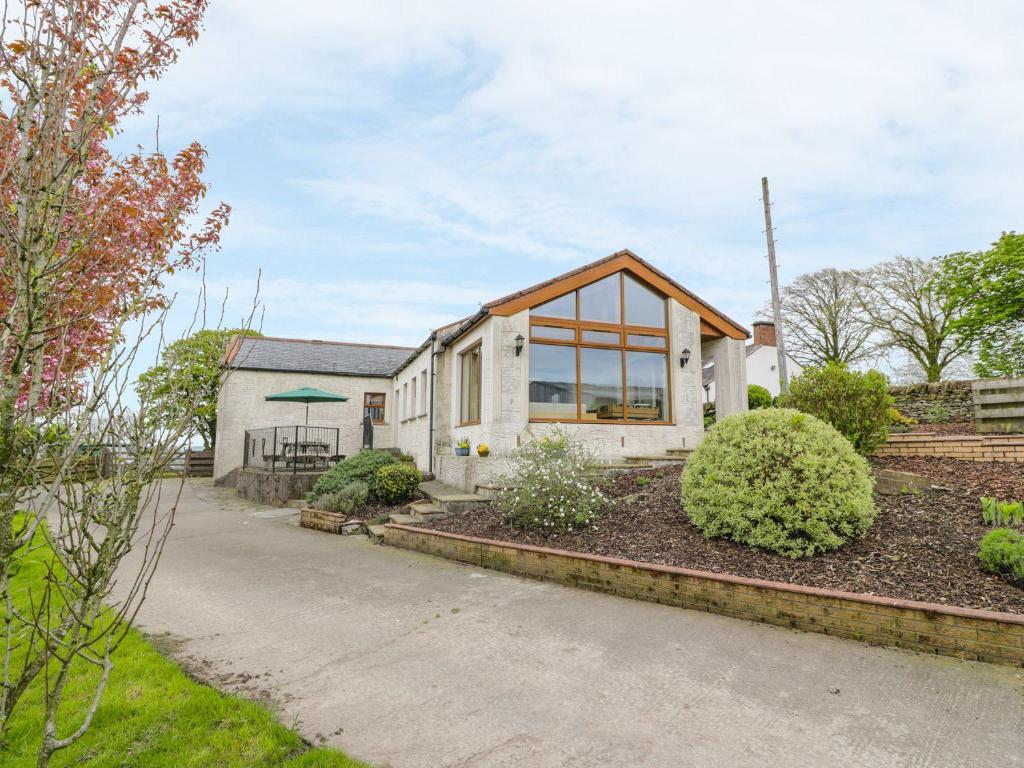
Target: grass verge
154, 715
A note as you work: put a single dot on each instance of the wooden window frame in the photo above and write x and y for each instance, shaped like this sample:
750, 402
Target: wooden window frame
624, 331
382, 406
477, 347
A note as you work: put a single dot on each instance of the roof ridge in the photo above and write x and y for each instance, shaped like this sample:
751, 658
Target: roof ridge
326, 341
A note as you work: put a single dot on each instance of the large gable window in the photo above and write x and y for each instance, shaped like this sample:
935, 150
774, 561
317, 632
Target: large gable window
600, 354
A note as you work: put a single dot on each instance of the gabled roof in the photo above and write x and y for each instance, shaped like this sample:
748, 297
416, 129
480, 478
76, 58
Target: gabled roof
267, 353
713, 322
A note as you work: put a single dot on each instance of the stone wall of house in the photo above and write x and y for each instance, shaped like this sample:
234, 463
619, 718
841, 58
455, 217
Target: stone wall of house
241, 406
412, 414
918, 400
505, 424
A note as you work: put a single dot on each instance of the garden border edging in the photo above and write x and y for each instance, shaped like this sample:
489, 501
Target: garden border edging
965, 633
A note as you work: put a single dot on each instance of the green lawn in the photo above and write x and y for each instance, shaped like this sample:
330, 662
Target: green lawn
154, 715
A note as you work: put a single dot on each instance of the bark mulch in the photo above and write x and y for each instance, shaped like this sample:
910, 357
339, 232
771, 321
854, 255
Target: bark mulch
921, 547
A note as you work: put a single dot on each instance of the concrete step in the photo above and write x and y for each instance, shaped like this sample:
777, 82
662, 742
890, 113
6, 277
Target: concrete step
296, 504
450, 499
679, 451
612, 469
664, 459
398, 517
424, 510
375, 533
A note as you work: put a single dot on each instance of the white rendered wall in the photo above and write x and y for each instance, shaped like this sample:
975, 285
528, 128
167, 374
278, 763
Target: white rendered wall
241, 406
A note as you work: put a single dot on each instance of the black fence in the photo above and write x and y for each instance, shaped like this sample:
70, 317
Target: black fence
292, 449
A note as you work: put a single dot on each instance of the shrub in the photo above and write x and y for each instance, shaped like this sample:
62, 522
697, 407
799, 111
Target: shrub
938, 414
552, 485
855, 403
1002, 552
758, 397
363, 466
397, 482
898, 421
779, 480
349, 499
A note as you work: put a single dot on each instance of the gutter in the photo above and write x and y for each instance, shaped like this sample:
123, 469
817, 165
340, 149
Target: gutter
430, 432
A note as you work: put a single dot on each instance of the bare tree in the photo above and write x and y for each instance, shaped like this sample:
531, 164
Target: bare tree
902, 301
824, 319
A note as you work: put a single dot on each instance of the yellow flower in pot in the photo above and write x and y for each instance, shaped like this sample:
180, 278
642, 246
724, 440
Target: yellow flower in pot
482, 449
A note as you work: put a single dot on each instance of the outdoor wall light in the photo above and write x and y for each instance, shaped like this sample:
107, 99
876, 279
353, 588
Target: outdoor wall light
684, 358
519, 344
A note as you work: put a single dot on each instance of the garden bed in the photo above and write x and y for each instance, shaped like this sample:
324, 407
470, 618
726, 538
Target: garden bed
921, 547
941, 428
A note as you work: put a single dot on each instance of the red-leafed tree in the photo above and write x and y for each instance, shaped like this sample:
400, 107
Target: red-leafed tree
87, 238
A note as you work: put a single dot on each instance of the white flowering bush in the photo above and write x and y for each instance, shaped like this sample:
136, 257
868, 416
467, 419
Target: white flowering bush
553, 485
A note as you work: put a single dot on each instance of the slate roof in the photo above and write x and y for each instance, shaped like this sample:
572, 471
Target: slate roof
267, 353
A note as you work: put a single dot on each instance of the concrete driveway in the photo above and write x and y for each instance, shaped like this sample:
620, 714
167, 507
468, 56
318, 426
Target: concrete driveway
406, 660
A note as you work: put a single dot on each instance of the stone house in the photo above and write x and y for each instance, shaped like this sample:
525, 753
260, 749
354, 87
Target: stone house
762, 363
611, 351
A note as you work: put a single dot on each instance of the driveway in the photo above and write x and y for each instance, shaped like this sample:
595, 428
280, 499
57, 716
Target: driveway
410, 661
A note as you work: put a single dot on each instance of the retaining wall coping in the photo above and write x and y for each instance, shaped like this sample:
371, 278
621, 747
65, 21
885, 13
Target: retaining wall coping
799, 589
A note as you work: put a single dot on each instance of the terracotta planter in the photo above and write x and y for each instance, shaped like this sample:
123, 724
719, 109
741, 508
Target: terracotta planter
484, 452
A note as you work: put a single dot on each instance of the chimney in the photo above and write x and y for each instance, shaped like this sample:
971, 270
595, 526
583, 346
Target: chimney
764, 333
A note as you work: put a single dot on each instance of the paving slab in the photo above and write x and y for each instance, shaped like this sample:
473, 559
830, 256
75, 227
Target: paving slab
410, 661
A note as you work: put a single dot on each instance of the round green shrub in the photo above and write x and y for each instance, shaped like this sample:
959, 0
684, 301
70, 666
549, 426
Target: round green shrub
854, 402
363, 466
348, 500
779, 480
397, 482
1002, 552
758, 397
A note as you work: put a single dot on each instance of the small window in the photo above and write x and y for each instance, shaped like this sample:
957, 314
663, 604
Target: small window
553, 332
469, 386
423, 392
406, 413
373, 406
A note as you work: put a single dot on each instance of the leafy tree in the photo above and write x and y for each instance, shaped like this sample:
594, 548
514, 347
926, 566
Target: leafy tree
187, 380
990, 285
824, 319
913, 314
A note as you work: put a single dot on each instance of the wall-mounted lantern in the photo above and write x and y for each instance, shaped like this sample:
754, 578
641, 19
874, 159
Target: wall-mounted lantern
519, 344
684, 358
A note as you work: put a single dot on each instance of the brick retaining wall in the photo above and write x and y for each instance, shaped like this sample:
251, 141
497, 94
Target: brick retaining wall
962, 632
966, 447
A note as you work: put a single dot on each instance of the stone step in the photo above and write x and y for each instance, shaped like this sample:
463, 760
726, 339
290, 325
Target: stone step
679, 451
621, 468
296, 504
657, 461
398, 517
450, 499
424, 510
376, 533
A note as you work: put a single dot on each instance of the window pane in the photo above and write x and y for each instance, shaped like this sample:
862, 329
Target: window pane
470, 394
645, 386
642, 340
602, 337
643, 306
563, 306
551, 332
552, 382
600, 301
601, 383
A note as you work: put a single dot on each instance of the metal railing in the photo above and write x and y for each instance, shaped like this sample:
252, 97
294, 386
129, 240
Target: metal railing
292, 449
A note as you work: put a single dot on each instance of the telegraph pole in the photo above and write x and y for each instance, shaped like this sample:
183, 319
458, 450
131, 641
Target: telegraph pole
780, 346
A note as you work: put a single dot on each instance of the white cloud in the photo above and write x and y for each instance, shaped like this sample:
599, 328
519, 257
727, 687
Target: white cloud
561, 132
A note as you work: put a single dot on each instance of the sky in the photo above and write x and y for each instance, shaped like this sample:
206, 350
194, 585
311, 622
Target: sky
392, 165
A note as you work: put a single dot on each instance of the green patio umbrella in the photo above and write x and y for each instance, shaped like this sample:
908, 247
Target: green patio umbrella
307, 395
